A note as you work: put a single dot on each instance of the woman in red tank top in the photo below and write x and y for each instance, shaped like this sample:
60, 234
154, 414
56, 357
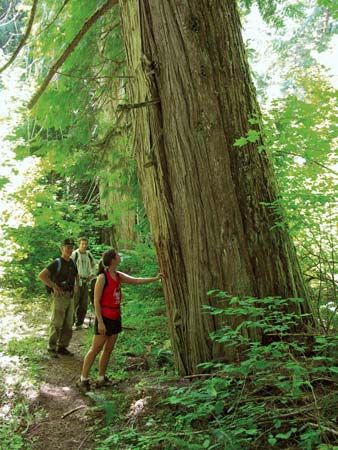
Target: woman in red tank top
110, 301
107, 303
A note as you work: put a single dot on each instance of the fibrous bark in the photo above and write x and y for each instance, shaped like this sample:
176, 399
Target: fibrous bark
206, 199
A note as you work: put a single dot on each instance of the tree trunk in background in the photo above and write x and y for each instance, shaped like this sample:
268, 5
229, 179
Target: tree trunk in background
203, 196
119, 209
117, 202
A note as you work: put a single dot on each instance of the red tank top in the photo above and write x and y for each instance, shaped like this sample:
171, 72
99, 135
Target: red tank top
111, 297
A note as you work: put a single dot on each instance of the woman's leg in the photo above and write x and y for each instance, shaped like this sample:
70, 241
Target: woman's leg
107, 349
97, 344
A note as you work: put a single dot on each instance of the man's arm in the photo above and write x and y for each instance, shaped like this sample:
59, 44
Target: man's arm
44, 276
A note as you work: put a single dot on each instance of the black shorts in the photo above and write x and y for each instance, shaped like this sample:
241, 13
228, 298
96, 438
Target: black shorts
112, 326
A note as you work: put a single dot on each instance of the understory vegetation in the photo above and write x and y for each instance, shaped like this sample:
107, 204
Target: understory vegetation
279, 394
281, 391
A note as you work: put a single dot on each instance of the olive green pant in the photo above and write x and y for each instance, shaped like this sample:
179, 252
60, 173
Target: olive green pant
60, 330
80, 304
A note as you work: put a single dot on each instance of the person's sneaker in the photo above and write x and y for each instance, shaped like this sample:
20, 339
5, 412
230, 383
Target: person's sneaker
52, 352
77, 327
64, 351
83, 386
103, 383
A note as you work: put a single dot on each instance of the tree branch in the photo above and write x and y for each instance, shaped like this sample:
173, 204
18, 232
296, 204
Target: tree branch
129, 106
71, 47
307, 159
6, 13
53, 20
24, 37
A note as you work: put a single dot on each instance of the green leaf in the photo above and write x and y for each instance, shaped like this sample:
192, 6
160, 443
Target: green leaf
272, 440
240, 142
253, 135
286, 435
206, 443
219, 407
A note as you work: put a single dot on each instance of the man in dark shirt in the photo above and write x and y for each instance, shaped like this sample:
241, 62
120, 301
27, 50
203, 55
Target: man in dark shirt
62, 277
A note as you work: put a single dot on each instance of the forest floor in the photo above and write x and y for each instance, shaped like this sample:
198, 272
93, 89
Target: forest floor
66, 424
149, 406
40, 406
39, 392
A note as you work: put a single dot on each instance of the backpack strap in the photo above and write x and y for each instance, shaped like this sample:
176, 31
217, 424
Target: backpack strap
105, 279
58, 269
76, 256
75, 266
59, 262
91, 257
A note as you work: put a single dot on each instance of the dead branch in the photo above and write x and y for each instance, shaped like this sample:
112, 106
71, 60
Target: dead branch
330, 430
71, 47
129, 106
200, 375
85, 440
24, 37
68, 413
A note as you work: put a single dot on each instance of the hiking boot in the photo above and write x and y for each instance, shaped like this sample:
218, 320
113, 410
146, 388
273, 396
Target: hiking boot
104, 383
52, 352
83, 386
64, 351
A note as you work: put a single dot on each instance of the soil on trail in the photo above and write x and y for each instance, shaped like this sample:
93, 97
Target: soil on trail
59, 415
58, 396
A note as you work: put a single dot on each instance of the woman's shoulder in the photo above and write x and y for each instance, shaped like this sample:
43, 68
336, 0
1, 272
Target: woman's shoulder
101, 276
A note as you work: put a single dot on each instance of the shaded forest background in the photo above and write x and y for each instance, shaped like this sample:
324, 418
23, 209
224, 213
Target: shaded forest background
72, 150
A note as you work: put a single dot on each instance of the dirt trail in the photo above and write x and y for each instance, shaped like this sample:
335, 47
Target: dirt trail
55, 394
58, 396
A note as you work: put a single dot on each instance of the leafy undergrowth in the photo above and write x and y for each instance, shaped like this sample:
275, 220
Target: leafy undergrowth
281, 395
22, 351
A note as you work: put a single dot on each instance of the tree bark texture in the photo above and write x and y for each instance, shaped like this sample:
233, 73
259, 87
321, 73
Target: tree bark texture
116, 200
203, 196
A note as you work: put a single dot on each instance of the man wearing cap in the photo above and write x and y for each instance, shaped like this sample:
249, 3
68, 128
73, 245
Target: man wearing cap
86, 267
62, 277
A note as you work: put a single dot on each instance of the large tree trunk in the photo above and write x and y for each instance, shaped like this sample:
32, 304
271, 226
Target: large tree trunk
203, 196
117, 202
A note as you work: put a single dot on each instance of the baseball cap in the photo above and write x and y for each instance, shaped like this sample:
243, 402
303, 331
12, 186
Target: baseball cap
68, 241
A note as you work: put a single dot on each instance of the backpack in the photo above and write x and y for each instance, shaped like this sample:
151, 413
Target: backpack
92, 286
76, 257
54, 276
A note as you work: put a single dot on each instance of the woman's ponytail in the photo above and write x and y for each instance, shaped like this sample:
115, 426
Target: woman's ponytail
101, 267
106, 260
